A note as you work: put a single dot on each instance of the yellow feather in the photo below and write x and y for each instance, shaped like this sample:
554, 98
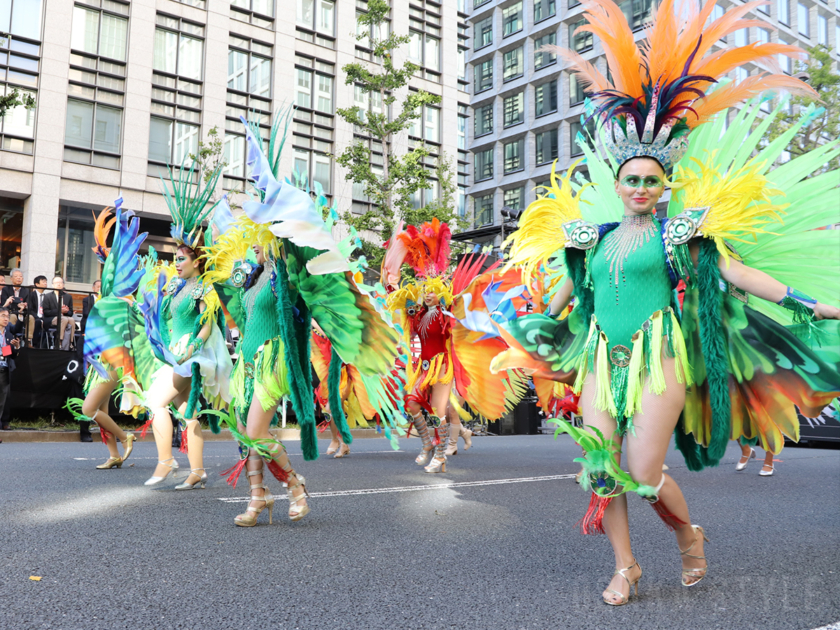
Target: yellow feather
540, 233
740, 201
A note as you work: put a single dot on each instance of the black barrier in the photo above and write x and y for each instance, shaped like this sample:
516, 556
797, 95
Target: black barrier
37, 381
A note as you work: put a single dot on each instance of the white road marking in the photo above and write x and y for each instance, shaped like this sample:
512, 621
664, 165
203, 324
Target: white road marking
438, 486
833, 626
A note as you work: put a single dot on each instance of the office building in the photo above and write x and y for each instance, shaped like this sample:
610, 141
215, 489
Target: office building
526, 106
124, 88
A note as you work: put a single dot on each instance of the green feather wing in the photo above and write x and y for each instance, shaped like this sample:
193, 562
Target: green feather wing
348, 318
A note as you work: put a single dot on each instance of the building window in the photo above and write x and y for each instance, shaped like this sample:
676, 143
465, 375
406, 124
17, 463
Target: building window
543, 59
100, 32
75, 239
576, 93
514, 198
717, 13
424, 50
514, 156
784, 12
22, 18
581, 41
483, 76
258, 12
366, 34
483, 120
742, 37
19, 66
545, 98
513, 64
638, 12
765, 9
544, 9
822, 30
483, 210
546, 146
316, 22
177, 61
463, 116
483, 32
11, 232
803, 20
177, 50
578, 134
92, 134
763, 35
462, 66
427, 127
574, 3
314, 88
484, 164
784, 61
313, 123
514, 106
93, 127
249, 95
512, 19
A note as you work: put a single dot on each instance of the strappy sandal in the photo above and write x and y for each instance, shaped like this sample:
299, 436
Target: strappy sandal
700, 573
252, 513
296, 512
622, 572
173, 470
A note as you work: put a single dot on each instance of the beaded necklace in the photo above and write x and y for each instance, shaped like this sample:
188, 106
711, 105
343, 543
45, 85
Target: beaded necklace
633, 232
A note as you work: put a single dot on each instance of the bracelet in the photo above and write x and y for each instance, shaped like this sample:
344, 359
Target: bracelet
801, 305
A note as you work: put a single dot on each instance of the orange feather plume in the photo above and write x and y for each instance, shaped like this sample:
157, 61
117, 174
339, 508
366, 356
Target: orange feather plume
606, 21
101, 228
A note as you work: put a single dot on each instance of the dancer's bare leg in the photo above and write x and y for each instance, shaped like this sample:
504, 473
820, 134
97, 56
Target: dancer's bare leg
163, 391
195, 442
95, 406
615, 523
646, 452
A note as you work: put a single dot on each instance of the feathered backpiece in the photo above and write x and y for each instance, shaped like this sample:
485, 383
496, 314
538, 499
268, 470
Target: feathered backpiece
102, 227
658, 92
427, 248
188, 202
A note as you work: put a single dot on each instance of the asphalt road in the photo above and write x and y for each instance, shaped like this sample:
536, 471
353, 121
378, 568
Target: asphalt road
114, 554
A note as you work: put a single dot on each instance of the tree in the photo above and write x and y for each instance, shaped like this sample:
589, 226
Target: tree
15, 99
823, 127
210, 156
391, 185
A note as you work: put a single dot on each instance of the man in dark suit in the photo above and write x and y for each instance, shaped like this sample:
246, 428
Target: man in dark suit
58, 311
35, 310
88, 302
14, 297
9, 345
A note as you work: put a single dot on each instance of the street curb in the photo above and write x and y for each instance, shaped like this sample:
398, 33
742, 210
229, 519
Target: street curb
285, 435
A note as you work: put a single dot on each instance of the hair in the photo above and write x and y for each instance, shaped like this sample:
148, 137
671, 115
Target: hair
14, 271
93, 284
38, 279
58, 278
194, 254
3, 309
639, 157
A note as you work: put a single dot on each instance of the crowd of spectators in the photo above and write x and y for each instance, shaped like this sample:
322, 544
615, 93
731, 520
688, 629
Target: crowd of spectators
39, 317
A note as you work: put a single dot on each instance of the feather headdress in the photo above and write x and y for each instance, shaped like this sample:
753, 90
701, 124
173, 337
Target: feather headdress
188, 202
424, 249
658, 92
102, 227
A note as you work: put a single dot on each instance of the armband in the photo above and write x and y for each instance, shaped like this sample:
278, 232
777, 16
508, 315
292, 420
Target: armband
801, 305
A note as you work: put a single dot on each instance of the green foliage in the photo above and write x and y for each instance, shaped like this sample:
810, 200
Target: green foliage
210, 158
823, 127
15, 99
391, 181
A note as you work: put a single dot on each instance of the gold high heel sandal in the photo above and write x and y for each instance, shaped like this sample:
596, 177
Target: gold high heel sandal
128, 445
295, 511
332, 449
623, 600
437, 466
700, 573
111, 462
252, 513
344, 450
